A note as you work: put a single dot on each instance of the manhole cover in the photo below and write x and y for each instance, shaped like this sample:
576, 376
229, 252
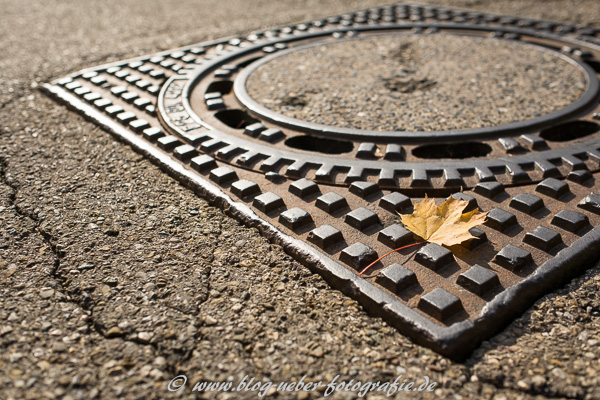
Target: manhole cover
319, 133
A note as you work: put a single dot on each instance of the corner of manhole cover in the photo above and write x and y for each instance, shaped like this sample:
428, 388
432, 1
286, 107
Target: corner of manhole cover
318, 133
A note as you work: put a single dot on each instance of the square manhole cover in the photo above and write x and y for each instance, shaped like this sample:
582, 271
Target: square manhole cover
320, 133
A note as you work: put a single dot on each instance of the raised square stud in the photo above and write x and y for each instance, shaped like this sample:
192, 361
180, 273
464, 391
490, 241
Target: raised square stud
543, 238
552, 187
570, 221
510, 145
157, 74
223, 73
294, 218
513, 257
169, 142
591, 202
480, 238
212, 145
394, 202
89, 75
150, 109
222, 175
244, 188
212, 95
271, 135
103, 104
579, 176
478, 280
129, 96
526, 203
254, 129
268, 202
393, 152
118, 90
122, 74
125, 117
99, 80
396, 278
440, 304
395, 236
303, 187
534, 142
203, 163
73, 85
139, 125
153, 90
434, 256
141, 103
361, 218
363, 189
325, 236
215, 104
469, 199
113, 110
366, 150
488, 189
145, 68
331, 202
500, 220
184, 152
91, 97
143, 84
167, 63
358, 255
82, 91
153, 133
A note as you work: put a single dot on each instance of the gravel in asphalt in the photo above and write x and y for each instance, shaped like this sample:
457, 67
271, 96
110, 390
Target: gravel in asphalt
417, 83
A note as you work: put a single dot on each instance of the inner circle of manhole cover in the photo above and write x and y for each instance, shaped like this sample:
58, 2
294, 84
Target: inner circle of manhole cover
482, 93
298, 131
408, 82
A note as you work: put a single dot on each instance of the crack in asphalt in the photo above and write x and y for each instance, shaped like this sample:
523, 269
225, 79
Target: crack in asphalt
58, 255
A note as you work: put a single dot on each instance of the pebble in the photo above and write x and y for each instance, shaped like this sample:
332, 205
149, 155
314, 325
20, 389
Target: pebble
111, 281
115, 331
144, 337
318, 352
86, 265
59, 347
236, 307
247, 263
64, 380
46, 293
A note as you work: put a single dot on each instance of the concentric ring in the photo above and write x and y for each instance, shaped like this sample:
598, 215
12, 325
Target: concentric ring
578, 107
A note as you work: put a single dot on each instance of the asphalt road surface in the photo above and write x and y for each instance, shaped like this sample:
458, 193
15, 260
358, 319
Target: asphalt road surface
114, 278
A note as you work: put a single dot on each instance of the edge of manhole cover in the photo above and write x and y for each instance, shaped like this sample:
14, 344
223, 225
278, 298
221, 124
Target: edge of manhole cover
542, 191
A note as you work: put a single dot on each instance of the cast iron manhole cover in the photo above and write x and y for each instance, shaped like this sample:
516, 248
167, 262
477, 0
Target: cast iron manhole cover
319, 133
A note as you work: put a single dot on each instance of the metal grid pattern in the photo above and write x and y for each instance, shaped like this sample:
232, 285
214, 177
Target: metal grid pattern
188, 111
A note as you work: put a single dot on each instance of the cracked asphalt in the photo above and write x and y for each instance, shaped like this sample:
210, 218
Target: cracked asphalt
114, 278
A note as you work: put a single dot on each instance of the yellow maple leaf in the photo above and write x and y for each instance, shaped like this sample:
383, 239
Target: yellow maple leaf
445, 225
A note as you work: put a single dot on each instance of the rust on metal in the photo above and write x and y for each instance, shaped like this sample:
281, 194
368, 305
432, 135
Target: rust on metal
331, 195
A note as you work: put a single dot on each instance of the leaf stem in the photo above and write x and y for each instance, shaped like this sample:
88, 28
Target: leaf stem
387, 254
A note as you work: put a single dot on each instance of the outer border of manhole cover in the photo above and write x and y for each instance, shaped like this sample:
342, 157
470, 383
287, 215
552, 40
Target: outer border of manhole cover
456, 340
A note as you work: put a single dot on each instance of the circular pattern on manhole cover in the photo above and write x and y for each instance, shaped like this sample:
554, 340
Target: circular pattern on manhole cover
407, 82
421, 107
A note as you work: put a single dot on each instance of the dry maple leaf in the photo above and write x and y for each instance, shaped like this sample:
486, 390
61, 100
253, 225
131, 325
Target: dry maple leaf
445, 225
